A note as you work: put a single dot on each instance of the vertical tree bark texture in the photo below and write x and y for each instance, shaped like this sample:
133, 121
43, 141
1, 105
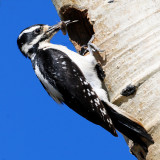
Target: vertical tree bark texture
129, 32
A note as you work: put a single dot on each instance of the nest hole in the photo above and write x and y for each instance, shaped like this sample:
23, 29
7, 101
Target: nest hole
80, 32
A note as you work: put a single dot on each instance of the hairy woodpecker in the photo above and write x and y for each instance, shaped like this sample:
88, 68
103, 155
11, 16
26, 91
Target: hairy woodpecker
72, 79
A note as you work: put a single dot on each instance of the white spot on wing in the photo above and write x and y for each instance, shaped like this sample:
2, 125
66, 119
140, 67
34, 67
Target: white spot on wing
97, 101
103, 111
86, 83
64, 63
92, 93
109, 121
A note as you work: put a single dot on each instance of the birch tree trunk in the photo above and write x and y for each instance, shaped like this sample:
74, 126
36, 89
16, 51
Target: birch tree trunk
129, 32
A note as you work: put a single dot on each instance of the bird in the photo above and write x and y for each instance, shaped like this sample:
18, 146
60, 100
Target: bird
72, 79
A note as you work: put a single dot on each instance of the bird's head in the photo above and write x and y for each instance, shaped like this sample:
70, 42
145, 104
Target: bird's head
29, 39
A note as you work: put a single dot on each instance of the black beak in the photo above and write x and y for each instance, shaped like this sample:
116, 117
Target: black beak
54, 28
60, 26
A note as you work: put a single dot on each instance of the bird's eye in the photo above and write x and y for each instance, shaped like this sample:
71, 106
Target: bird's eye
37, 31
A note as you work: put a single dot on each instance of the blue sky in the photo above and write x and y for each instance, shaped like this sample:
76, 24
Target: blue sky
32, 125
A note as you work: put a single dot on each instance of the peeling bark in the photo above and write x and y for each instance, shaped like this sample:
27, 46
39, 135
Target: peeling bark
129, 32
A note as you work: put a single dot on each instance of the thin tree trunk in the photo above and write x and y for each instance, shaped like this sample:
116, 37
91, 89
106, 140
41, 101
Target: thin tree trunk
129, 32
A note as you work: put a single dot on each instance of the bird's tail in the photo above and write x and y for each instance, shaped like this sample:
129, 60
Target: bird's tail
128, 125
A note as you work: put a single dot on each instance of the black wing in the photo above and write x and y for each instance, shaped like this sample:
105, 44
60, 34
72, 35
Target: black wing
67, 78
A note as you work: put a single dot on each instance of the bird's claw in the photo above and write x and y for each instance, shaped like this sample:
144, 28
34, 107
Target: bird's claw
90, 47
93, 47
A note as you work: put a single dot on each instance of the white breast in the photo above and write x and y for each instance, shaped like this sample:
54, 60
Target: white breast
54, 93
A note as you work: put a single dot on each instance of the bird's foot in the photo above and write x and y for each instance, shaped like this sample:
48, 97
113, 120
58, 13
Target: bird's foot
90, 47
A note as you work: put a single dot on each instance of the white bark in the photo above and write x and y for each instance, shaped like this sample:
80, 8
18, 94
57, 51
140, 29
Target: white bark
129, 32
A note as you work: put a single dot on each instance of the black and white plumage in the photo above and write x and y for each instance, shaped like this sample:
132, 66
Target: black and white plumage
72, 79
